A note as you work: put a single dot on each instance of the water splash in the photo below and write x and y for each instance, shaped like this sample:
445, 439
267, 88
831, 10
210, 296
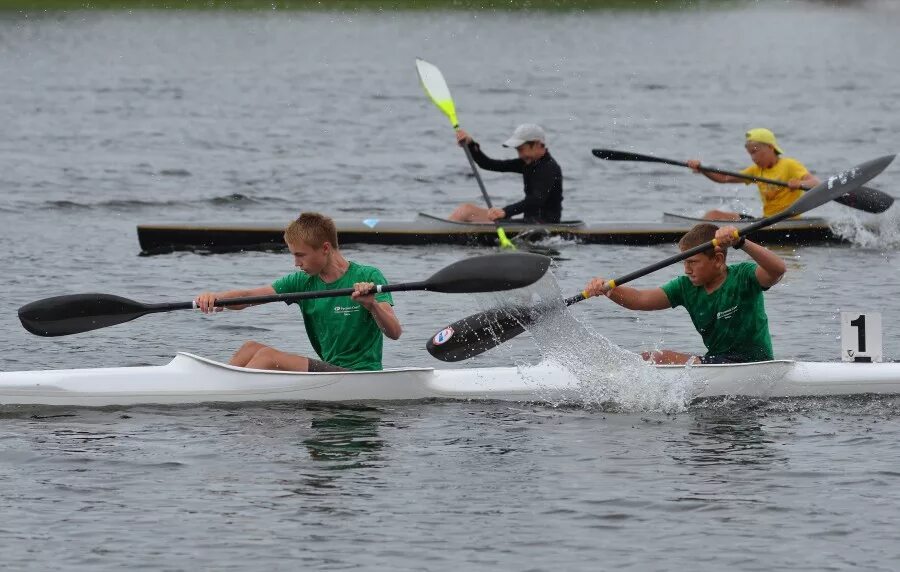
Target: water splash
869, 231
608, 376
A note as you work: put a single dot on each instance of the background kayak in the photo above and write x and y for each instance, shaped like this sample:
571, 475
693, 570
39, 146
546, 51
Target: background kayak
426, 230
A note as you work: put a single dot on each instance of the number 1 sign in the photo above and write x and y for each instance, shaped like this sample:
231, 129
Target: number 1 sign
860, 336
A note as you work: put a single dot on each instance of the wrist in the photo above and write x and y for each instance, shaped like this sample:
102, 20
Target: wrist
739, 244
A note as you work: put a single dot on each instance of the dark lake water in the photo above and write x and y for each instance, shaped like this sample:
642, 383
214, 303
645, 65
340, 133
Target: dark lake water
108, 120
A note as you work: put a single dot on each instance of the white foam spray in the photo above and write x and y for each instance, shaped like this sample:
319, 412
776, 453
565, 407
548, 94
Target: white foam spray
608, 376
869, 231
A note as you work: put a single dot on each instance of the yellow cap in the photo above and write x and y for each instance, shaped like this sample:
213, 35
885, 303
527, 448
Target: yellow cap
762, 135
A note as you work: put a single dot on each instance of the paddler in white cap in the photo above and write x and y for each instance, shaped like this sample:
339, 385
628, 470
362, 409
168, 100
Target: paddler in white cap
540, 173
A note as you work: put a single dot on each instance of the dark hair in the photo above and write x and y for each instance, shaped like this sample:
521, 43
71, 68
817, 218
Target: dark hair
700, 234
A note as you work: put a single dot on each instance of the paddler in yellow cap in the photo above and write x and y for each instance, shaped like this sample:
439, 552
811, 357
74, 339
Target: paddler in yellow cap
769, 164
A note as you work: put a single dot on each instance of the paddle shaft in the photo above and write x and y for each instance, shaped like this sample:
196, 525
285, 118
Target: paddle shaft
616, 282
747, 177
480, 332
439, 93
863, 198
484, 193
639, 157
75, 313
501, 234
698, 249
286, 298
505, 243
297, 296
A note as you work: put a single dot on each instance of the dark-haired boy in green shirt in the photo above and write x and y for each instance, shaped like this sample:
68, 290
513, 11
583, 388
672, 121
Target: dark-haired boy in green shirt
725, 302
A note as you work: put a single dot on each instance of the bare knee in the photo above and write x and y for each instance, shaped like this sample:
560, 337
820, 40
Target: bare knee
251, 346
463, 212
265, 357
270, 358
246, 353
721, 215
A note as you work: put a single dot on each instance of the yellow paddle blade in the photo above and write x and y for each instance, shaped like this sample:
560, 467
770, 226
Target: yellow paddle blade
505, 243
436, 87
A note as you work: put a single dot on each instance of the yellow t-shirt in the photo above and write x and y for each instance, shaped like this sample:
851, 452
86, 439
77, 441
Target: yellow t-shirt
775, 198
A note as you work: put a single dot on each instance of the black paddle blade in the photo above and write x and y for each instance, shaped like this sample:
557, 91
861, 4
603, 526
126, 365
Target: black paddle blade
835, 186
490, 273
866, 199
75, 313
862, 198
613, 155
478, 333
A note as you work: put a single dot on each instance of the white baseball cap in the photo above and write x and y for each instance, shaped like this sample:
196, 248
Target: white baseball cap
525, 133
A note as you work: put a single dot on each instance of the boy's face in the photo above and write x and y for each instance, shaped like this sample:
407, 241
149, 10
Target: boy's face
761, 153
702, 269
530, 151
310, 259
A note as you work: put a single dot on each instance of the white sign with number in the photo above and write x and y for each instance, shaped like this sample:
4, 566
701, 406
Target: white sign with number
860, 336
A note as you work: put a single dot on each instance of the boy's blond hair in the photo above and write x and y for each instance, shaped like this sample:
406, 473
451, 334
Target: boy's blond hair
700, 234
313, 229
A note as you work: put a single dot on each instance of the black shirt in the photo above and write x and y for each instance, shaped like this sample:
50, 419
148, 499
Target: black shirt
543, 185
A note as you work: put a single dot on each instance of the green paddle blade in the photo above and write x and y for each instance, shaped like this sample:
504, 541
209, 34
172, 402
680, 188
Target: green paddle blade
505, 243
74, 313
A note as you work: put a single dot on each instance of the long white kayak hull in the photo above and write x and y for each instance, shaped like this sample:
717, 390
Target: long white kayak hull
191, 379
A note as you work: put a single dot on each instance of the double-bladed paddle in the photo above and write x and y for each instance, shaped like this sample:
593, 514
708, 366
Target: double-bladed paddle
75, 313
863, 198
436, 87
480, 332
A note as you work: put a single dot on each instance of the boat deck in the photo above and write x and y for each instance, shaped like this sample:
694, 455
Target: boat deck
193, 379
426, 229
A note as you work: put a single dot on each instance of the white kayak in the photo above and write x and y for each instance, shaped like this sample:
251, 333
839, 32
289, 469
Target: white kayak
193, 379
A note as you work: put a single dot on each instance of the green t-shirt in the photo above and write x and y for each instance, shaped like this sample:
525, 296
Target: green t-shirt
342, 332
732, 319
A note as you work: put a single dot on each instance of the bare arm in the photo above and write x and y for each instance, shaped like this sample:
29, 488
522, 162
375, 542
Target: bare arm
634, 299
631, 298
206, 300
769, 266
694, 164
387, 320
808, 181
720, 178
382, 312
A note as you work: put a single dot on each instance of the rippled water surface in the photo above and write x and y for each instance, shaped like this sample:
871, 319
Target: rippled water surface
114, 119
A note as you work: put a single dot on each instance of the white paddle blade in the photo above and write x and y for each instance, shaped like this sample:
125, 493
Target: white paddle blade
436, 87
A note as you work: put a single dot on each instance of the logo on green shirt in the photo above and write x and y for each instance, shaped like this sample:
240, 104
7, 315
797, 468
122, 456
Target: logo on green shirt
341, 331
